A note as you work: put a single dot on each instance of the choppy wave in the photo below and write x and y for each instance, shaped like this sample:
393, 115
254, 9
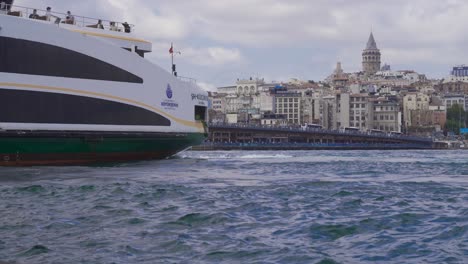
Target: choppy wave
242, 207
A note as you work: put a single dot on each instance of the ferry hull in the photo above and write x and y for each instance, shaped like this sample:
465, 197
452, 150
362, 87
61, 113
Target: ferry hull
81, 149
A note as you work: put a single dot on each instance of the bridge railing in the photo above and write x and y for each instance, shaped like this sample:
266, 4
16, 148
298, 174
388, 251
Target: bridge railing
318, 131
315, 145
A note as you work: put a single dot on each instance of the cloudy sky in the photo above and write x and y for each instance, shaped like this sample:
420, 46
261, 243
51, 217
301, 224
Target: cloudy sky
222, 40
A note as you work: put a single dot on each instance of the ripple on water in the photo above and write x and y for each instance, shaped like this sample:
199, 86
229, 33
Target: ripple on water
35, 250
32, 189
200, 219
327, 261
233, 207
87, 188
135, 221
332, 232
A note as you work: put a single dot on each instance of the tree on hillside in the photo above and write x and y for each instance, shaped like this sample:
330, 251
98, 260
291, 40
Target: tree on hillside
456, 118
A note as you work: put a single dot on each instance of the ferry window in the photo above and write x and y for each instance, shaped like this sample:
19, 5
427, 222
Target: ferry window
200, 113
43, 59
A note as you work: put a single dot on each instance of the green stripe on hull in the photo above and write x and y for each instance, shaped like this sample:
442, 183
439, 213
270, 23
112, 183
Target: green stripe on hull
24, 150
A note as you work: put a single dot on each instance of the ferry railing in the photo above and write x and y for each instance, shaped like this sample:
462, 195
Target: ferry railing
187, 79
60, 18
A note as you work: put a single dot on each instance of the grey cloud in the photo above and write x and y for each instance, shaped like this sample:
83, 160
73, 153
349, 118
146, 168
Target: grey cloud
410, 33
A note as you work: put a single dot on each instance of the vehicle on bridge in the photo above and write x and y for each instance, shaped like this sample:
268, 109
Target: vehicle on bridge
311, 126
376, 132
395, 133
350, 129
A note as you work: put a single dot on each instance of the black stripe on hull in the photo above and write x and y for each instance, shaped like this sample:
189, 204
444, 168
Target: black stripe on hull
30, 57
20, 106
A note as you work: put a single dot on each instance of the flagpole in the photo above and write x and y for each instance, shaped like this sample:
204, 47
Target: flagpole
172, 58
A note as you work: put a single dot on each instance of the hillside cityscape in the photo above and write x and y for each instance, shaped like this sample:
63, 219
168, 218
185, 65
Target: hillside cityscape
375, 98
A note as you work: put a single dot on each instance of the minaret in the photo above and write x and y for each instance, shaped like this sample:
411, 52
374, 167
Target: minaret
371, 57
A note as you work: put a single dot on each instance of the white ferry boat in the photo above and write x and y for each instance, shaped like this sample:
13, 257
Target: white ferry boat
77, 90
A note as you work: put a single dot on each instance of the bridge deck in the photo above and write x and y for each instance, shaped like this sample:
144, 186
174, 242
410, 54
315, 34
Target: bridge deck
309, 138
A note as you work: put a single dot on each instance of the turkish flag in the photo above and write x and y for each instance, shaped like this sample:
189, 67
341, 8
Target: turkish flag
171, 50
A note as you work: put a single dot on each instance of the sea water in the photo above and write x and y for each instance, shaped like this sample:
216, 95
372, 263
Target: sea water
241, 207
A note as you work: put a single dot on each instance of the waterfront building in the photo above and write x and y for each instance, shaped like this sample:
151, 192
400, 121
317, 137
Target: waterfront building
396, 78
385, 67
457, 87
414, 102
439, 112
384, 115
216, 116
426, 122
426, 119
311, 107
454, 99
218, 102
264, 101
425, 87
274, 120
289, 104
227, 90
249, 86
249, 98
461, 71
458, 74
371, 57
342, 110
328, 112
232, 118
439, 118
413, 76
235, 102
358, 112
338, 79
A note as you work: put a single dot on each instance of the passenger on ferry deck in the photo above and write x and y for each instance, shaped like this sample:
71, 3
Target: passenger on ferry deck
99, 24
113, 27
3, 7
34, 15
126, 27
69, 19
48, 14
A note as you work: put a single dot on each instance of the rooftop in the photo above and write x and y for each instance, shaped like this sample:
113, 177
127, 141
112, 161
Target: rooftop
371, 44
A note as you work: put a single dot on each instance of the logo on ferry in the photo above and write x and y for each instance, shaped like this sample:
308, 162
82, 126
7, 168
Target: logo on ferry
169, 104
169, 91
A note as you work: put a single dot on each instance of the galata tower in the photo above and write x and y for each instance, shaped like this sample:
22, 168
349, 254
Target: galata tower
371, 57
